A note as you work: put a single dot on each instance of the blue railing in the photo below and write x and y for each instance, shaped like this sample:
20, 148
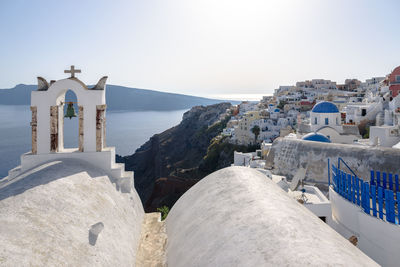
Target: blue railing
379, 198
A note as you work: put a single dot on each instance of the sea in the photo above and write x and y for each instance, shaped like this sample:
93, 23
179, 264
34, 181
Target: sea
126, 131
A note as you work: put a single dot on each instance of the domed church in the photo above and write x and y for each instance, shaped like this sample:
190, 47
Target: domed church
325, 114
325, 119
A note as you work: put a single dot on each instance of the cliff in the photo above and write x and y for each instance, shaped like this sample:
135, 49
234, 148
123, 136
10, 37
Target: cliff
171, 162
174, 156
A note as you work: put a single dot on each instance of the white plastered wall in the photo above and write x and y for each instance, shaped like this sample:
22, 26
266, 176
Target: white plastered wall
334, 121
335, 137
381, 135
377, 238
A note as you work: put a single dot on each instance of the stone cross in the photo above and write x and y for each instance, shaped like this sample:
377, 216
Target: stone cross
72, 71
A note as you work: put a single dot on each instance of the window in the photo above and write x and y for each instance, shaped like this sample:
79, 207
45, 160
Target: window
398, 78
337, 122
326, 121
363, 112
315, 120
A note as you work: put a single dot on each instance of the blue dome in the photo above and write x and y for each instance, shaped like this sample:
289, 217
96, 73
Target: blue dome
317, 137
325, 107
277, 110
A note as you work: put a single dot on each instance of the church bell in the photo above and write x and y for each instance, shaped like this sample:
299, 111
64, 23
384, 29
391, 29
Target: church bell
70, 111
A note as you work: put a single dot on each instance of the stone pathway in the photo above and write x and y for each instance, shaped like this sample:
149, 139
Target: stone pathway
153, 242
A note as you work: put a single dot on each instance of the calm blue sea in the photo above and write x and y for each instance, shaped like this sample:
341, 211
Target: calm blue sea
127, 131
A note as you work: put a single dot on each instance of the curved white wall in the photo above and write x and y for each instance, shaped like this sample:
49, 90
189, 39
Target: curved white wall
238, 217
377, 238
47, 214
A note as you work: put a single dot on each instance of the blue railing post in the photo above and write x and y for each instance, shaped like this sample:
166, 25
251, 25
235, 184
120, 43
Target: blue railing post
333, 176
389, 205
384, 184
341, 183
329, 173
372, 177
358, 190
390, 181
362, 195
373, 194
378, 178
349, 187
367, 198
380, 201
398, 206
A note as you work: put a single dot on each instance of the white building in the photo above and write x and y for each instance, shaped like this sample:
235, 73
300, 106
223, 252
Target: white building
325, 119
366, 111
388, 133
247, 106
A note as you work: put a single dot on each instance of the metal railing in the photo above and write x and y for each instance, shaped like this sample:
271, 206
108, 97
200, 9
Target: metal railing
379, 197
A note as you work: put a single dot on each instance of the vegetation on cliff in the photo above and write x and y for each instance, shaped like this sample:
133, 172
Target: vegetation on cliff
220, 154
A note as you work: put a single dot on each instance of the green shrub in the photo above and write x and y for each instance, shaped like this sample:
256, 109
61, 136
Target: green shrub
164, 212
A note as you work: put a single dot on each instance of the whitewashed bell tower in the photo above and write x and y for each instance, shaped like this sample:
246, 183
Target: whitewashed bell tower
47, 106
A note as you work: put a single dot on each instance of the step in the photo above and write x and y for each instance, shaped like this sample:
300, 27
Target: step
125, 183
127, 174
118, 170
14, 172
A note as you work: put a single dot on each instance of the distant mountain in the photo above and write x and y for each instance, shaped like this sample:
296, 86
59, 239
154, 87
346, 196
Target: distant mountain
118, 98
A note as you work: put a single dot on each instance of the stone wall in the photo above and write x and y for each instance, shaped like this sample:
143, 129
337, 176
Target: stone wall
287, 155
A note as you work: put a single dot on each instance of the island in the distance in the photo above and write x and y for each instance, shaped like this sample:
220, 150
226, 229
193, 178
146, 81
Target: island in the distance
118, 98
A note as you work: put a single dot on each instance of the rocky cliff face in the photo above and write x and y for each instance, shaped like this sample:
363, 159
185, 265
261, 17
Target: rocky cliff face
168, 164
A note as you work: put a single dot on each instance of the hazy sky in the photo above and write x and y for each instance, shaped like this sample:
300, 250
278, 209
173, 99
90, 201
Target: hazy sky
199, 47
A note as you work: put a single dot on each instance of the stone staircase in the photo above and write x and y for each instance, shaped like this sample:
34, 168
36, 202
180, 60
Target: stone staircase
123, 179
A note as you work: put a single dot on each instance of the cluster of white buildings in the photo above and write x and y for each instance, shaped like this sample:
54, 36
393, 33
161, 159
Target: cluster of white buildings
364, 113
270, 121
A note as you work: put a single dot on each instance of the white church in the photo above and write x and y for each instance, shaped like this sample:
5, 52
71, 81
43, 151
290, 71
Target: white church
47, 106
326, 126
77, 207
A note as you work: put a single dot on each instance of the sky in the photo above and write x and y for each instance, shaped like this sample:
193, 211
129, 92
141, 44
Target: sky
204, 47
